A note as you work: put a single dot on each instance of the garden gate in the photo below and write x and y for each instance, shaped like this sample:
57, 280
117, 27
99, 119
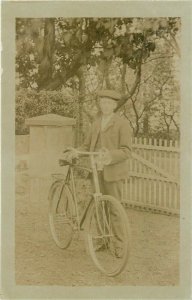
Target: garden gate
154, 176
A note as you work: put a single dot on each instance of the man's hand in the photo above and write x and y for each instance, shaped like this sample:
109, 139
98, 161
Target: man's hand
70, 153
105, 156
103, 159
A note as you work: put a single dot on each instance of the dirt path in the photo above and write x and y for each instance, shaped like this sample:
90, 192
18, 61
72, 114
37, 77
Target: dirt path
154, 257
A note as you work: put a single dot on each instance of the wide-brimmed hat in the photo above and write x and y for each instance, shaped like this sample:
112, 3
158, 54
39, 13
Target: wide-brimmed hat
109, 94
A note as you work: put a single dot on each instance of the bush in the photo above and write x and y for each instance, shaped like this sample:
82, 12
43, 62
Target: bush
31, 103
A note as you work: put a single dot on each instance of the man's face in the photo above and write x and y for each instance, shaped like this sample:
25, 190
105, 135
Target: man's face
107, 105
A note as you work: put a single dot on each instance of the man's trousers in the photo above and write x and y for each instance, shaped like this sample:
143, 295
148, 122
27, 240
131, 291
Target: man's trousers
115, 190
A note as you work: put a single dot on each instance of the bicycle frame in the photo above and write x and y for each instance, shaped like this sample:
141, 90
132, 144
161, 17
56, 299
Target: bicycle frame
101, 231
96, 195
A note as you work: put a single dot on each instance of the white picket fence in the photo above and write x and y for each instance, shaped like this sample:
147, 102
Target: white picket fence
154, 176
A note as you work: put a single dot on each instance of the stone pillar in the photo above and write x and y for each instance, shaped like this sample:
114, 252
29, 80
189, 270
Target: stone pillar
49, 135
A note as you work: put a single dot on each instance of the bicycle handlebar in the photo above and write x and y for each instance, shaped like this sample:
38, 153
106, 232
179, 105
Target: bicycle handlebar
84, 152
88, 153
64, 162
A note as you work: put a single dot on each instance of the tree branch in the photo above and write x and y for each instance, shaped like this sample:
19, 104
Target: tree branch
88, 114
108, 84
46, 64
125, 98
145, 80
177, 48
123, 74
131, 124
155, 58
176, 125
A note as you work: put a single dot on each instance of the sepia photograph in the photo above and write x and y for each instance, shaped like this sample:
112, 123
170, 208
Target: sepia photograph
97, 150
105, 90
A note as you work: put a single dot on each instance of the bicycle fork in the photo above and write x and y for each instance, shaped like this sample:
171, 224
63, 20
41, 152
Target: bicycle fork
101, 208
75, 199
103, 218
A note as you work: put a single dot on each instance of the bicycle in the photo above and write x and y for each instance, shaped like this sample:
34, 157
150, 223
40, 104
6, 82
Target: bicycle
96, 219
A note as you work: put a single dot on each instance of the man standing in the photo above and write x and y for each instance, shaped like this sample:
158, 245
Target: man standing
113, 134
110, 134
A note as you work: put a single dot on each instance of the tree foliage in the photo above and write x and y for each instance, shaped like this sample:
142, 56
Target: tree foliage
54, 53
30, 103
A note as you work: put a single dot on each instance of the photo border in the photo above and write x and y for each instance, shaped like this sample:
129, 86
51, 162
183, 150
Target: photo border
12, 10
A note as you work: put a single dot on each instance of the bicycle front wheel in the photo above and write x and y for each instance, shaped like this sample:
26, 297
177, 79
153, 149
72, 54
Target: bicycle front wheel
108, 235
61, 212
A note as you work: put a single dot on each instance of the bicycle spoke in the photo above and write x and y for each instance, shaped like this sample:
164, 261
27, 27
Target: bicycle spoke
108, 236
62, 219
61, 216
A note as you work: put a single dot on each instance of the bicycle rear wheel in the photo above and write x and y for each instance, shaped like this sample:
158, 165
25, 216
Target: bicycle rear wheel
61, 213
108, 235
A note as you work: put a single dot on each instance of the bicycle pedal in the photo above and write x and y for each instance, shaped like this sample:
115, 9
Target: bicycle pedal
81, 236
75, 227
101, 247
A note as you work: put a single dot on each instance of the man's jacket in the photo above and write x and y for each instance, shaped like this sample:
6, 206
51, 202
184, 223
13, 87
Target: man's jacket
116, 137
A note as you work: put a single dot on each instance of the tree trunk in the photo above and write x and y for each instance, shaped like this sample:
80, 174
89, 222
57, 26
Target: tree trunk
137, 127
107, 80
146, 116
146, 124
123, 75
46, 65
79, 128
168, 126
128, 96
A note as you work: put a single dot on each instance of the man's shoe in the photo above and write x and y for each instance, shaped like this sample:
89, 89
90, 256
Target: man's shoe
119, 252
100, 247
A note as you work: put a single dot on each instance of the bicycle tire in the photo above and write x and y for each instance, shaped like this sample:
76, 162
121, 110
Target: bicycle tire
101, 228
61, 214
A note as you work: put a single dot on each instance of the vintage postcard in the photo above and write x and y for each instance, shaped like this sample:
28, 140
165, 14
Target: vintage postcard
96, 127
